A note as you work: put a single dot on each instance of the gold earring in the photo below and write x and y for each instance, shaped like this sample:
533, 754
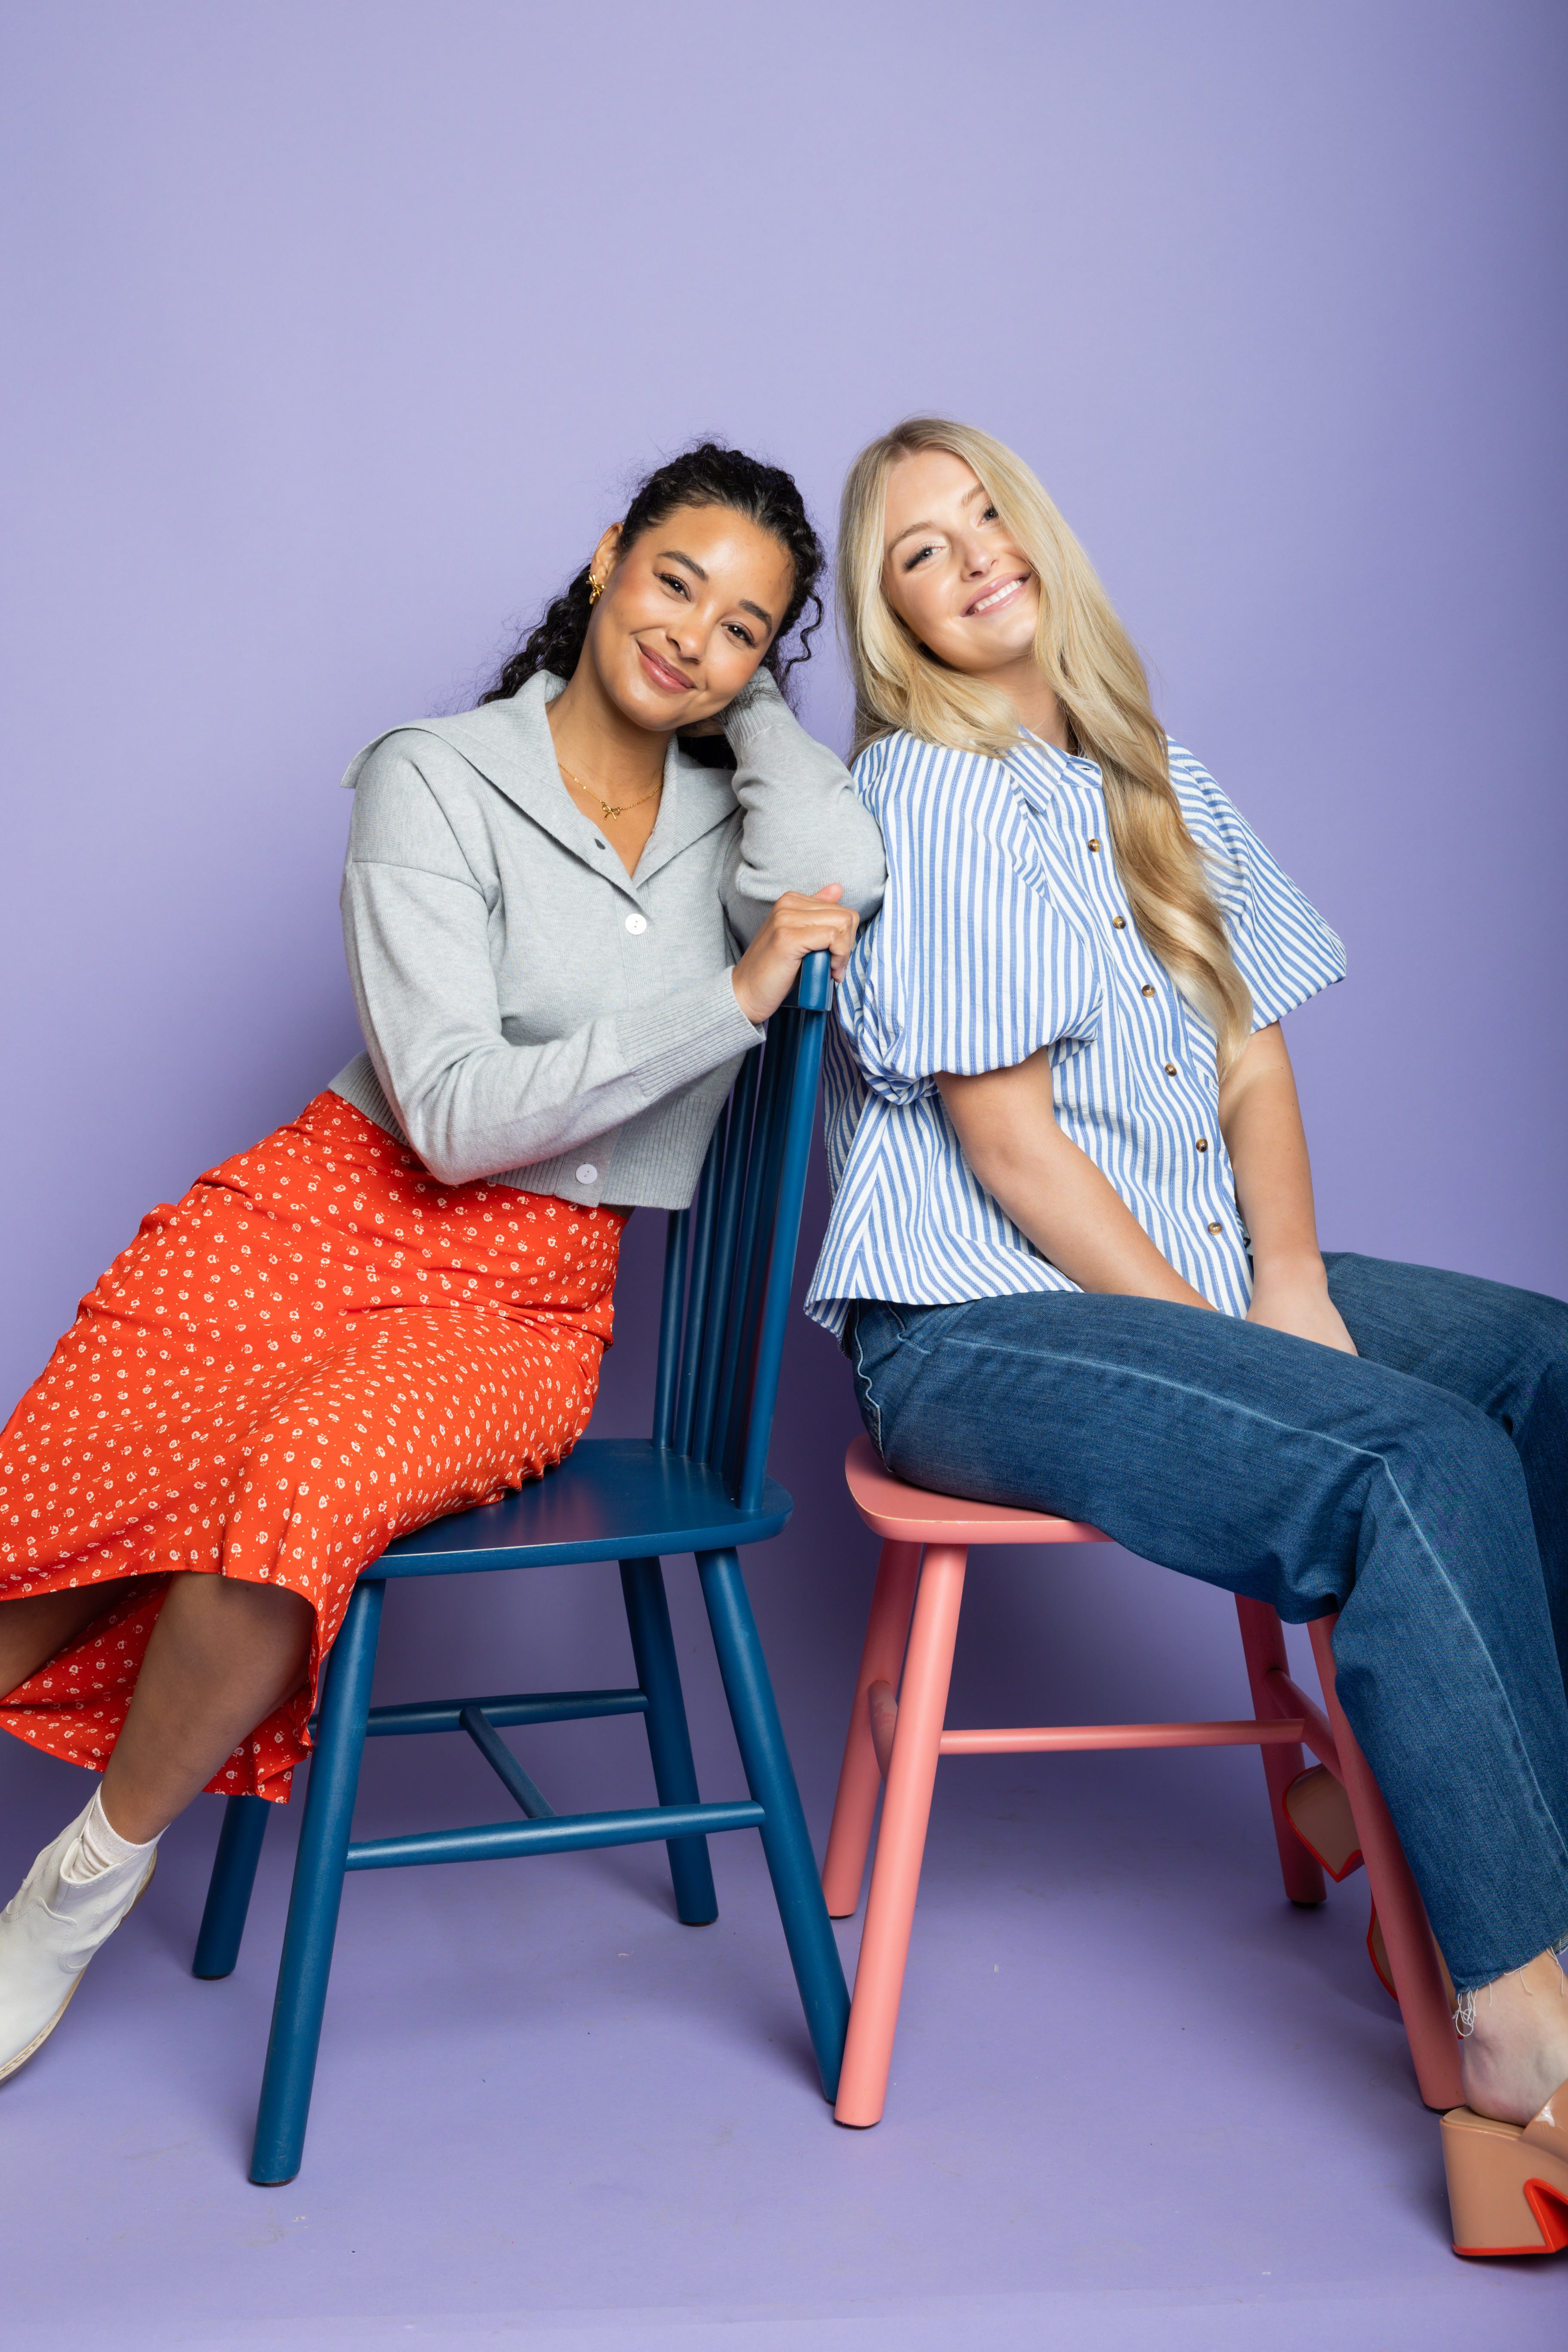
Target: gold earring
596, 589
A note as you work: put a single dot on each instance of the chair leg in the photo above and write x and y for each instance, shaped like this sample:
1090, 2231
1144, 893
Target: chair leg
228, 1890
1263, 1646
818, 1971
859, 1778
900, 1845
669, 1741
1407, 1933
317, 1893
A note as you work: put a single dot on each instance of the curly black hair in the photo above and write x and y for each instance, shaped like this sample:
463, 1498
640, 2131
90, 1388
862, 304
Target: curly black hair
707, 475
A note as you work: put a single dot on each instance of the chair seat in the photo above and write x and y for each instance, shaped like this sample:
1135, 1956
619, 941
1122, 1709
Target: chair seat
612, 1498
904, 1514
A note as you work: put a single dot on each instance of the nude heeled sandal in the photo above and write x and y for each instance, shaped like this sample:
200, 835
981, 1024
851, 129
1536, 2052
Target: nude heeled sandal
1508, 2183
1319, 1812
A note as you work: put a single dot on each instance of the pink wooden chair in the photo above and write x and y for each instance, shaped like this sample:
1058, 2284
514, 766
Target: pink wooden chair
897, 1732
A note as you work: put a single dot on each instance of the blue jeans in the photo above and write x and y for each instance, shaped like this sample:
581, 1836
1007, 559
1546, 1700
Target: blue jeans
1421, 1489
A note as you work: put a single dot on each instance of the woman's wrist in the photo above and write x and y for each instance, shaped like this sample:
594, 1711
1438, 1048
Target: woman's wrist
1298, 1302
1299, 1268
743, 997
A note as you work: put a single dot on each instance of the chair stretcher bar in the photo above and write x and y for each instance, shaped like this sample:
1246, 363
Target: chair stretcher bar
1291, 1699
1046, 1738
522, 1707
562, 1834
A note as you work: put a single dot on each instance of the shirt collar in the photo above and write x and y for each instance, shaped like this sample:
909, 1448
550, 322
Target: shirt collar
510, 745
1040, 769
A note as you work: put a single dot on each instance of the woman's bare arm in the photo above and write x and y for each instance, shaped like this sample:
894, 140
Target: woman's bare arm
1260, 1120
1053, 1192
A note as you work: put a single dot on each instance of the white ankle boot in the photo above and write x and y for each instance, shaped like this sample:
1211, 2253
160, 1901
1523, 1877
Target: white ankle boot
70, 1902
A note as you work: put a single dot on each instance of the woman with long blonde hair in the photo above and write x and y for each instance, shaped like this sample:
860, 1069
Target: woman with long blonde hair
1074, 1259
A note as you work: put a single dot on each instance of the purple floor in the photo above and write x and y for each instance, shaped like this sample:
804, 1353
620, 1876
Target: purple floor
1137, 2101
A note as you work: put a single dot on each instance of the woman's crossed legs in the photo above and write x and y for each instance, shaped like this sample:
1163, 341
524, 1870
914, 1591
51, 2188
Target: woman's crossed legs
201, 1677
222, 1655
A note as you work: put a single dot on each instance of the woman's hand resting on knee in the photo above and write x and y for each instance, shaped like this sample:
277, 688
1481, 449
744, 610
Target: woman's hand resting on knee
1298, 1302
795, 927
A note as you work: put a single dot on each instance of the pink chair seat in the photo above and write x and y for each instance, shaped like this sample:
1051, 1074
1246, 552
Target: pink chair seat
902, 1514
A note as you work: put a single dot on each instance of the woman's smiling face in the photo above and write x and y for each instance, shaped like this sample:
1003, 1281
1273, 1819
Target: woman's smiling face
686, 614
951, 569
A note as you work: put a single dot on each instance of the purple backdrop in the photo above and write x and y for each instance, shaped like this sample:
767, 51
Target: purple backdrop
337, 332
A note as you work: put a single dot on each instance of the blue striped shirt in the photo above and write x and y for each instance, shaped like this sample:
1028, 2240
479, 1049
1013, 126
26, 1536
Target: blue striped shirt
1004, 929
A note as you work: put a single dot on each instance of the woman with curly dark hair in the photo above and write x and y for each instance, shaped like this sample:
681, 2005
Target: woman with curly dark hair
568, 913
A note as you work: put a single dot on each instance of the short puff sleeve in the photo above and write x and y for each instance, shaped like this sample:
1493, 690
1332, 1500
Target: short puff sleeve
968, 967
1283, 948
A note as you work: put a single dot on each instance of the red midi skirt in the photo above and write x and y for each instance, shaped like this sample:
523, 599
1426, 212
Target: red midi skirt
319, 1348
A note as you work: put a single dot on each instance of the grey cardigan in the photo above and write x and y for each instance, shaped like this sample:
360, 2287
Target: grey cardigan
534, 1014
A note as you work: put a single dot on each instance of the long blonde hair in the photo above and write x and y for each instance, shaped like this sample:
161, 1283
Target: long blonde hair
1093, 668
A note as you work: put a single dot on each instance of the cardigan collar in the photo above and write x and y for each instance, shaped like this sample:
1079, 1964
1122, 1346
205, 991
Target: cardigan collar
510, 744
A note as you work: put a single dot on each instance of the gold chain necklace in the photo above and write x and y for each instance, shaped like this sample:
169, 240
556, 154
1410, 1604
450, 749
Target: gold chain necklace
611, 808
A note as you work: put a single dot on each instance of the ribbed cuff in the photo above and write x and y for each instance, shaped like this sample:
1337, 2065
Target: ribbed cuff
682, 1037
357, 1083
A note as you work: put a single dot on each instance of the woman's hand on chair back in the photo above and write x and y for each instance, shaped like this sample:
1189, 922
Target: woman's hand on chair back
797, 927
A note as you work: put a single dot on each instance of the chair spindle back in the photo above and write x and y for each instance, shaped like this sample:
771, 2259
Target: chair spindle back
729, 1258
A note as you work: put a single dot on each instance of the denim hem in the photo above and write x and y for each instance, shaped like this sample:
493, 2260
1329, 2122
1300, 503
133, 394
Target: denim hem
1556, 1944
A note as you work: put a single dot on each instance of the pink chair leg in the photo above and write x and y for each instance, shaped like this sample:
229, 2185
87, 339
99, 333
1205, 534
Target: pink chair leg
906, 1811
1412, 1952
859, 1778
1263, 1645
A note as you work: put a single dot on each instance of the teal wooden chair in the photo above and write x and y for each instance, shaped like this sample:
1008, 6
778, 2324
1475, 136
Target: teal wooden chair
698, 1484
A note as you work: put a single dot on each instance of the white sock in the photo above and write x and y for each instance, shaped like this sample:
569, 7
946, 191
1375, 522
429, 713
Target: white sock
98, 1846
